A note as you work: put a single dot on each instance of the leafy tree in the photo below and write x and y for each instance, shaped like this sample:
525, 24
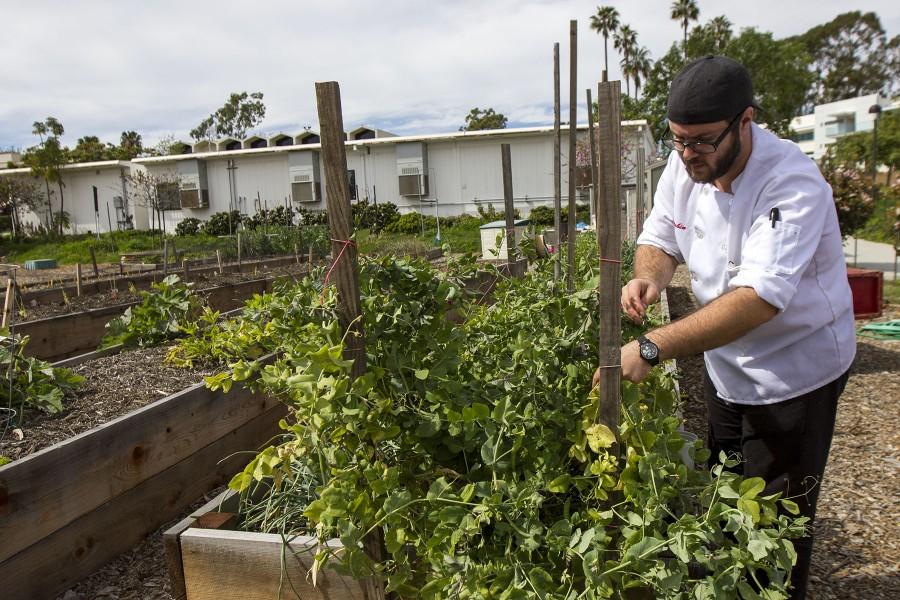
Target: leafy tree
851, 57
157, 192
605, 23
852, 194
46, 159
17, 194
240, 113
478, 120
625, 41
685, 11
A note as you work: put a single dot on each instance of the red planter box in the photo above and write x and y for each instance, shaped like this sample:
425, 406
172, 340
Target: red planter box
867, 287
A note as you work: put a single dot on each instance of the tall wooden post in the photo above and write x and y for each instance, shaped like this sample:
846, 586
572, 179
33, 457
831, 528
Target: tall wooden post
94, 263
557, 168
595, 204
508, 205
239, 251
166, 257
573, 132
609, 226
340, 222
639, 175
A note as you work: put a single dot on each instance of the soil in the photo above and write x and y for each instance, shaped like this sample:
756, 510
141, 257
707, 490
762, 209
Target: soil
857, 528
113, 386
857, 553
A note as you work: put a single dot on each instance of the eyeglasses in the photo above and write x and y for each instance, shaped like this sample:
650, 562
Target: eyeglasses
701, 147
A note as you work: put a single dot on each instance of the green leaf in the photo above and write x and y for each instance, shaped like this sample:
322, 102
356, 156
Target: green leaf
422, 374
790, 506
750, 507
559, 485
644, 546
541, 580
600, 437
750, 488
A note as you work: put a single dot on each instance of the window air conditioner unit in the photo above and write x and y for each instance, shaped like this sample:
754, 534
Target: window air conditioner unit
192, 184
303, 173
412, 169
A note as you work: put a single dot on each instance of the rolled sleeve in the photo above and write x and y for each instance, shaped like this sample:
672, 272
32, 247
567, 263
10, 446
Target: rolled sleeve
774, 289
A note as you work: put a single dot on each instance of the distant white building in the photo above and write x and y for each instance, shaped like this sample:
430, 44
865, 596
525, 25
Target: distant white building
815, 132
446, 174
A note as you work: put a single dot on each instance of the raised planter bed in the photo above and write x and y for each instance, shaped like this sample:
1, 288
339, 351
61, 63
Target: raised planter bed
68, 509
207, 561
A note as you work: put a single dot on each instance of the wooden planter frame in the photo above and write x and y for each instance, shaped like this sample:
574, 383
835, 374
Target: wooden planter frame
68, 509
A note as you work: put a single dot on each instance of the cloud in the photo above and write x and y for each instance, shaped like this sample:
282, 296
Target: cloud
411, 67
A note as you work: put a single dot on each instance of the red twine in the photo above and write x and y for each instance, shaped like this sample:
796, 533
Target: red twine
335, 261
610, 260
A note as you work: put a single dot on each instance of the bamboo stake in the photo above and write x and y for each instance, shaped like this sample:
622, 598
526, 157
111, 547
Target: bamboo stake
310, 256
343, 251
166, 257
239, 251
185, 268
8, 301
609, 229
94, 262
595, 204
557, 168
78, 279
508, 208
296, 254
219, 261
573, 132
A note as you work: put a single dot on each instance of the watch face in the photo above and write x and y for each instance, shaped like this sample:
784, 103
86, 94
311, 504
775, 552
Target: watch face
649, 351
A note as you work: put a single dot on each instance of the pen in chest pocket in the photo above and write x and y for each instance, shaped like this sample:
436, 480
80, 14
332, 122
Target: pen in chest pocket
774, 215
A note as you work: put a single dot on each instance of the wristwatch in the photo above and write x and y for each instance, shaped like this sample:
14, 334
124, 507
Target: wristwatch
649, 350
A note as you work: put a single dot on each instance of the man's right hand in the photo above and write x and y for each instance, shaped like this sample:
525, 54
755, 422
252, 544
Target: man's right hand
637, 295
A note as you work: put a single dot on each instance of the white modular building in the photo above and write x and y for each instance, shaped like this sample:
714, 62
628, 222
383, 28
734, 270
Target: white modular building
446, 174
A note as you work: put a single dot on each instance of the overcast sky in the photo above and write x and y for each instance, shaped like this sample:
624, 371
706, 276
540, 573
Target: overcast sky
408, 66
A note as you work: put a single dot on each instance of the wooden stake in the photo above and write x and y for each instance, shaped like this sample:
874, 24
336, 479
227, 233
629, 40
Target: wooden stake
219, 260
344, 270
8, 301
506, 162
595, 204
557, 168
296, 253
609, 236
239, 250
310, 256
573, 132
94, 262
639, 187
166, 257
78, 279
185, 269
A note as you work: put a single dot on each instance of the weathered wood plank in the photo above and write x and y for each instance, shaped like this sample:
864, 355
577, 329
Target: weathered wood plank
51, 488
609, 237
573, 133
557, 166
258, 566
68, 555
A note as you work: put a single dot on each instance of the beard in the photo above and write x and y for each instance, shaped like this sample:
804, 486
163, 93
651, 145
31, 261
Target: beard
701, 172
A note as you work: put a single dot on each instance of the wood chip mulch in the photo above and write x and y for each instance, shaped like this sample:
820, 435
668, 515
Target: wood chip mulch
857, 530
113, 386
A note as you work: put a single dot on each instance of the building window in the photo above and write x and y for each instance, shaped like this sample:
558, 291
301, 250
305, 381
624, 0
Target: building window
168, 196
841, 125
351, 177
311, 139
806, 136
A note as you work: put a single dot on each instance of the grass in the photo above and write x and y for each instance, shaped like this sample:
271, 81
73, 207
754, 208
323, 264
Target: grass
892, 292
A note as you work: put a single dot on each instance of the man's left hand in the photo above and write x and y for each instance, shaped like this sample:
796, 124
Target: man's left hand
634, 368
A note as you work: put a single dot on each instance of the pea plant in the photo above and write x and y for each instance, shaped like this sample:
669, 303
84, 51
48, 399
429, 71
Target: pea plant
30, 383
161, 315
470, 450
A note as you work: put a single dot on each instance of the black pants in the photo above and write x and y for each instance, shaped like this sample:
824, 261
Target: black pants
785, 443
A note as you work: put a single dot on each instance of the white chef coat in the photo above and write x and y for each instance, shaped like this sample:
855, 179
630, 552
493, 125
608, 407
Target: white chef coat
797, 266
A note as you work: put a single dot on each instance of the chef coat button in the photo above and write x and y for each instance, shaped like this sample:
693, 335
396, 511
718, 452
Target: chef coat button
699, 234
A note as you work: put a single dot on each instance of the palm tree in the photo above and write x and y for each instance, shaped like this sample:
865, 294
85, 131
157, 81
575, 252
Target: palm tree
38, 167
720, 31
641, 65
625, 41
685, 11
605, 23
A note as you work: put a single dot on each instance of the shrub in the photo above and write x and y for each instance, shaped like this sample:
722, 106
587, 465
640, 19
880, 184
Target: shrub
280, 216
374, 217
189, 226
218, 224
492, 214
159, 317
541, 215
852, 195
410, 223
309, 217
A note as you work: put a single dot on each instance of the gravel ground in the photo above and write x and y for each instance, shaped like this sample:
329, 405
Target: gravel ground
857, 550
114, 385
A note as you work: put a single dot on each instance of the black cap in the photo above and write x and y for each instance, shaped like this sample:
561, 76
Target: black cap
709, 89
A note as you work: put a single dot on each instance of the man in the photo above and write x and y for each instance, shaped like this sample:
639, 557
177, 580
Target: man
754, 221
